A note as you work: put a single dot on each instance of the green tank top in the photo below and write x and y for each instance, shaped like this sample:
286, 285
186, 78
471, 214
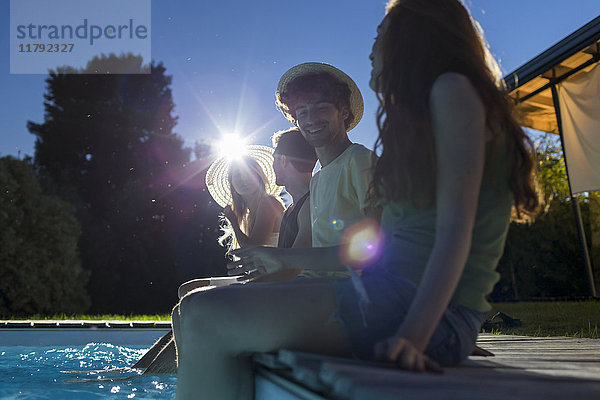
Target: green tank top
410, 235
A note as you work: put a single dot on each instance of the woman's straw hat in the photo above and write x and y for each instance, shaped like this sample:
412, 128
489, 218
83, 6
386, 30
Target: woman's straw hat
356, 99
216, 176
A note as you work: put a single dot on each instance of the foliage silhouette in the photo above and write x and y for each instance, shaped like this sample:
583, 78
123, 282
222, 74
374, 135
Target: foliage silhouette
40, 269
107, 145
543, 259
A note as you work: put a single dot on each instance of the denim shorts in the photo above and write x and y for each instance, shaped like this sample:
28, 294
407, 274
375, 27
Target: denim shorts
367, 319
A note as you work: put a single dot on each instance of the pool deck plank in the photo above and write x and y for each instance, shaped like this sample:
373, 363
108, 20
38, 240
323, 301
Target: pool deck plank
523, 368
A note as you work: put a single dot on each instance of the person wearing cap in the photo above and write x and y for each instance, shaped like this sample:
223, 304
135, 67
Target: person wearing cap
290, 164
247, 190
324, 103
293, 161
454, 164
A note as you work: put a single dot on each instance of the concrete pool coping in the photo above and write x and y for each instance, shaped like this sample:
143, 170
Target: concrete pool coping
41, 333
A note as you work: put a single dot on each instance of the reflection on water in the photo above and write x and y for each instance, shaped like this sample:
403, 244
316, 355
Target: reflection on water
97, 370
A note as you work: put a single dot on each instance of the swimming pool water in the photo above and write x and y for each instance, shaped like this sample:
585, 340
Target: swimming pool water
39, 373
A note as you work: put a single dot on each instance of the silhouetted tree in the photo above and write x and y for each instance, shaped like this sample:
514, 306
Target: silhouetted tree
40, 269
107, 145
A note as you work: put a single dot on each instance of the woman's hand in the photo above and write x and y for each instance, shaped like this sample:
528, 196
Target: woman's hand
405, 355
265, 260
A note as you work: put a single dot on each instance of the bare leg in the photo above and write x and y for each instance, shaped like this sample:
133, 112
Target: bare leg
156, 348
152, 355
215, 281
165, 361
214, 357
188, 286
161, 358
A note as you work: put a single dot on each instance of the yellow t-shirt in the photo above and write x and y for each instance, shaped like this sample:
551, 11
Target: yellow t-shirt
338, 198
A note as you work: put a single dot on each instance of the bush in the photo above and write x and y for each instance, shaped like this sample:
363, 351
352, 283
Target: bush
543, 259
40, 270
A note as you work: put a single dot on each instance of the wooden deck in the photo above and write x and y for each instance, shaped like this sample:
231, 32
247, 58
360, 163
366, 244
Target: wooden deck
523, 368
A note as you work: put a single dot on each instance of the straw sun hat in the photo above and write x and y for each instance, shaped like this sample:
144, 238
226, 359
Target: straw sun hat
216, 176
356, 100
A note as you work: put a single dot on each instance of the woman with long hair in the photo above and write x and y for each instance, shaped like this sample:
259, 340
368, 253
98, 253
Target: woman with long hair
450, 202
246, 188
252, 216
454, 166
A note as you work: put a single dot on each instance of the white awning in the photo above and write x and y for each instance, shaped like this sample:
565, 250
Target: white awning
580, 111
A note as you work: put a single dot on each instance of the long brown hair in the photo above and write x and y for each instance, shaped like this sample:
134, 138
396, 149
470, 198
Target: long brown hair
422, 40
238, 205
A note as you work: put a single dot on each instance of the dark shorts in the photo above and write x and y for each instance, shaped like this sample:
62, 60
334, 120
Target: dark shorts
366, 323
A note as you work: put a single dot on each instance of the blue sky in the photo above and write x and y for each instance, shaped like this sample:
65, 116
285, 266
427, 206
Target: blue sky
226, 57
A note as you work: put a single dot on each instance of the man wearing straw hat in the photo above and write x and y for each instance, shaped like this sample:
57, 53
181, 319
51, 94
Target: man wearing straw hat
325, 104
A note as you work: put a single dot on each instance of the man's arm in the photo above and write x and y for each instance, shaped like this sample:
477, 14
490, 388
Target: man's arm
303, 240
272, 259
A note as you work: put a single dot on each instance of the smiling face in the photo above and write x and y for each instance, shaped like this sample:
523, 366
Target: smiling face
320, 121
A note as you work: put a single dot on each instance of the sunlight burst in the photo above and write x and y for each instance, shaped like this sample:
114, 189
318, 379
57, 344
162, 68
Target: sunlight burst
231, 146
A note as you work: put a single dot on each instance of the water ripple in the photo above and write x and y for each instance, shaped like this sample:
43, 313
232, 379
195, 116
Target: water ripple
38, 373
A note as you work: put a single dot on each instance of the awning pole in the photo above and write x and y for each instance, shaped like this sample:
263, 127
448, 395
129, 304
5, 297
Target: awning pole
589, 276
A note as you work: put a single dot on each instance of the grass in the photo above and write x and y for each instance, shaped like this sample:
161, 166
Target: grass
99, 317
570, 318
579, 319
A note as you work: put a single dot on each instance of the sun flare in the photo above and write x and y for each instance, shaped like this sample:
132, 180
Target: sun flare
231, 146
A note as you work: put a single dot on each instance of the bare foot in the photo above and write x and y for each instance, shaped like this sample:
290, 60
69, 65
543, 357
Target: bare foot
478, 351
